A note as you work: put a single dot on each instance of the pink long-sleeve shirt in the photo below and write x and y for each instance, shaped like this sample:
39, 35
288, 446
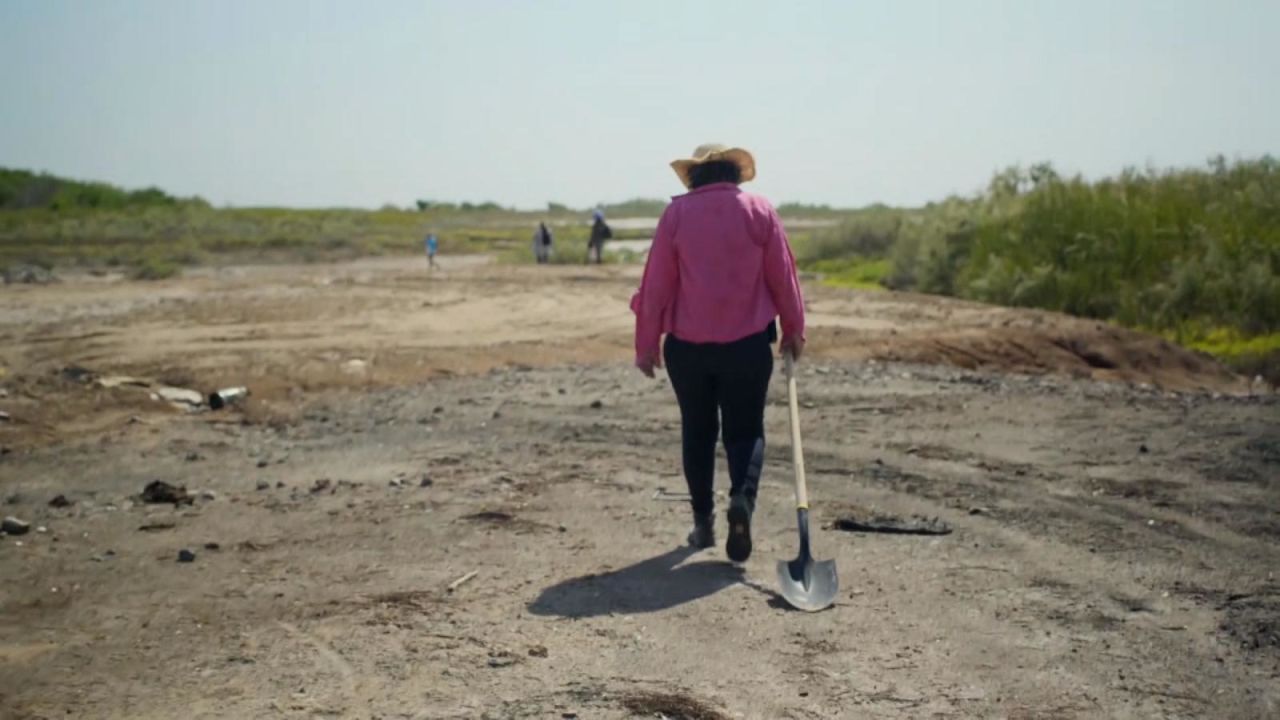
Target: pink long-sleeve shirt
720, 269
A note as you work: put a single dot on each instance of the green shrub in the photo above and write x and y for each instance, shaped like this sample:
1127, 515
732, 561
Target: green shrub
152, 267
857, 273
1154, 249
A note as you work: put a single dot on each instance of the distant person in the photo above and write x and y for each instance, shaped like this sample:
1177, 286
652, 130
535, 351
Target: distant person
542, 242
595, 244
432, 245
719, 272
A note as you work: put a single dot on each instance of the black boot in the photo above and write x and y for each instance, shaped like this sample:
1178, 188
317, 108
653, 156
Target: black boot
738, 546
741, 506
703, 534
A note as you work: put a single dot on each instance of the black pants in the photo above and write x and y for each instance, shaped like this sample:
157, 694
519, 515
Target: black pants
719, 383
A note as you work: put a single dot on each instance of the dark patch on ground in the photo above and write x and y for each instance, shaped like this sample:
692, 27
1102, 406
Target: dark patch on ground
1253, 620
675, 706
506, 521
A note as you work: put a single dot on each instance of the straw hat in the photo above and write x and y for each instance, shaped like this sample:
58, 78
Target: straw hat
711, 152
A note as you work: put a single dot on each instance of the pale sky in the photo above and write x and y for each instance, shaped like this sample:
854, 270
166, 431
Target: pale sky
283, 102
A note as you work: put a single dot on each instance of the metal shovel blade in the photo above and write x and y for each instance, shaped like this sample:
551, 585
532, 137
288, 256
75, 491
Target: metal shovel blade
808, 584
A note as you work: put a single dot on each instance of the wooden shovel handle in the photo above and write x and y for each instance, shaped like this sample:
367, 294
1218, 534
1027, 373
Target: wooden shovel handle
797, 452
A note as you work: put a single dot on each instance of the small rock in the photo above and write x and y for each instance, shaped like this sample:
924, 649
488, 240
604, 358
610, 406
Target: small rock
60, 501
13, 499
538, 651
562, 528
1143, 449
320, 485
396, 482
501, 660
263, 463
597, 404
13, 526
4, 416
208, 495
186, 556
264, 485
42, 529
560, 391
194, 456
438, 409
977, 511
426, 481
212, 546
159, 491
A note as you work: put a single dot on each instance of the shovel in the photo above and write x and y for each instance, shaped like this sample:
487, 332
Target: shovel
807, 584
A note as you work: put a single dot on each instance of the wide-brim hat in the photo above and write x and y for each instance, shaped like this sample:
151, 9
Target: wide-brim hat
711, 152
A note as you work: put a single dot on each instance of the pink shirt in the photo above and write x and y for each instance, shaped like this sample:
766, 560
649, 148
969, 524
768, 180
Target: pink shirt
719, 269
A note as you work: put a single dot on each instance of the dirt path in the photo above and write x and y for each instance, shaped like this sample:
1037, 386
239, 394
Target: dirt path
1114, 548
290, 331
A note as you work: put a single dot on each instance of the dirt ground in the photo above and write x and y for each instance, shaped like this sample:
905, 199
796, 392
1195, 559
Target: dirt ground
449, 496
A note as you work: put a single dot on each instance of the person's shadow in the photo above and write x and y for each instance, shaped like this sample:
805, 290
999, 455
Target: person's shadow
647, 586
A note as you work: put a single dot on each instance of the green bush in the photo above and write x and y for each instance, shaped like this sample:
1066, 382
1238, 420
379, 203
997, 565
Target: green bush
151, 267
859, 273
1160, 250
1176, 251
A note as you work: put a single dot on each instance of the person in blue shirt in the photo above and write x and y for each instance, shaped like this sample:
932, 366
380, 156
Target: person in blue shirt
431, 245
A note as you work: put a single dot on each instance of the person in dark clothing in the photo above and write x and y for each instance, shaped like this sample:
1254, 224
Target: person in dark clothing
542, 244
719, 272
600, 232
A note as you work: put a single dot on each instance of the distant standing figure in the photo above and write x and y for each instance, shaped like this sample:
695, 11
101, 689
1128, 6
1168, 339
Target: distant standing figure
431, 245
542, 240
595, 246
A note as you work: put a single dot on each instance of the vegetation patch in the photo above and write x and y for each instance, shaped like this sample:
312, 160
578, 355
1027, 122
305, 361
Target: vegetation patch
855, 272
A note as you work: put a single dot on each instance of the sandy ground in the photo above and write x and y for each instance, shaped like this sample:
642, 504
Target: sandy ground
1115, 505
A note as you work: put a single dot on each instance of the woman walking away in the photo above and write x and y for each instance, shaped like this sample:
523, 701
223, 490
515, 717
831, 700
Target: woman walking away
719, 272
